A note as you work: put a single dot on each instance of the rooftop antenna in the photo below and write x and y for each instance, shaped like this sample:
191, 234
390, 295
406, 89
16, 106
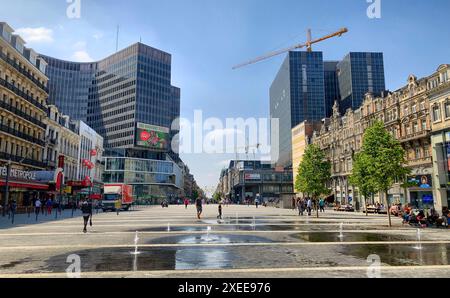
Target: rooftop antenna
117, 39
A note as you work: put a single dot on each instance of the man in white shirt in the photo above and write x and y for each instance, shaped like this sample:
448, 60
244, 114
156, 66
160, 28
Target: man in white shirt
37, 207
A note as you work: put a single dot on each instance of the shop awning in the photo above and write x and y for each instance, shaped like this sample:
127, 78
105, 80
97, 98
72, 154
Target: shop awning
27, 185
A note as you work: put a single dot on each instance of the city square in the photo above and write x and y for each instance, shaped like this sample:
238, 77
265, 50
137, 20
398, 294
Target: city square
215, 139
248, 242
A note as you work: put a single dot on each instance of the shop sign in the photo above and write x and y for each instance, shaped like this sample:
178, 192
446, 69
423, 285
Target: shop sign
252, 176
18, 174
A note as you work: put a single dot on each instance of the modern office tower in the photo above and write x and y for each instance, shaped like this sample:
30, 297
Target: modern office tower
296, 95
358, 74
332, 92
69, 86
129, 100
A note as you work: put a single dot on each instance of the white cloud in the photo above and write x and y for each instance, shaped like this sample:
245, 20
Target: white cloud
220, 133
98, 36
80, 45
36, 35
82, 56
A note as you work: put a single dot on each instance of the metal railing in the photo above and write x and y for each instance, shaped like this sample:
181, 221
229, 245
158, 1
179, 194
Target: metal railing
20, 159
22, 94
22, 114
21, 135
23, 72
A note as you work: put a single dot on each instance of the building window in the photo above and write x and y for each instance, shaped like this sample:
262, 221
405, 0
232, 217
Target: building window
418, 155
424, 125
426, 151
436, 113
447, 109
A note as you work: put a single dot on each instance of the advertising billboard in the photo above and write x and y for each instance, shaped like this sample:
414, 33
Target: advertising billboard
152, 137
252, 177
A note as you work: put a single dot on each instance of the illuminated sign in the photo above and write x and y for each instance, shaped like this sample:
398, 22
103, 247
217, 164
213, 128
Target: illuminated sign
423, 181
252, 177
152, 137
18, 174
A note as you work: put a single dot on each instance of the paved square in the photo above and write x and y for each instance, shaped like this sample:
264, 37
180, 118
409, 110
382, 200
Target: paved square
248, 242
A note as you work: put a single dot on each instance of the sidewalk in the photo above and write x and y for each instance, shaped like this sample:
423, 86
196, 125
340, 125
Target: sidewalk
23, 219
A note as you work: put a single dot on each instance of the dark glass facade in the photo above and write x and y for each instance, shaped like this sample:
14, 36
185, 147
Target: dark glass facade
112, 96
332, 92
358, 74
296, 95
69, 86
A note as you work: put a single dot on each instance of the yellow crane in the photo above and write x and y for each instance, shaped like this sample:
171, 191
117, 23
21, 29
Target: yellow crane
308, 46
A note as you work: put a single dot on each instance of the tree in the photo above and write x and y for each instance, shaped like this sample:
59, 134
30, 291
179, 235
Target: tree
313, 173
383, 159
361, 178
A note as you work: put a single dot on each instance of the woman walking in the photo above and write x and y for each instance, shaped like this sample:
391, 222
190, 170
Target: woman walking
86, 209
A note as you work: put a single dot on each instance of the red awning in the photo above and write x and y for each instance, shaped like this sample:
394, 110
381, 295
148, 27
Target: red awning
96, 197
27, 185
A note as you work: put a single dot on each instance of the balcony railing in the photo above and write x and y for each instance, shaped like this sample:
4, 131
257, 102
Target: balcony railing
21, 160
23, 72
420, 161
22, 114
21, 135
50, 163
22, 94
416, 135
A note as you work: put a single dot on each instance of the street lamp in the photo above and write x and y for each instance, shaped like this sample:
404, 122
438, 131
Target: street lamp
5, 202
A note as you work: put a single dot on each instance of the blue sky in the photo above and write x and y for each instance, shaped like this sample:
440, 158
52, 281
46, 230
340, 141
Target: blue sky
207, 37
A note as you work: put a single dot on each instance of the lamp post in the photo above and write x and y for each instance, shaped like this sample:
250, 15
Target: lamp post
5, 202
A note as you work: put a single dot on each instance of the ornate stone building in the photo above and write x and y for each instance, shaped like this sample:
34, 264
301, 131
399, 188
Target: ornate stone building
23, 95
406, 114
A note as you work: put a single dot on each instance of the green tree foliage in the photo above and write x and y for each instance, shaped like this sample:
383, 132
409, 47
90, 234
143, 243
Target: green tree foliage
380, 162
361, 178
313, 173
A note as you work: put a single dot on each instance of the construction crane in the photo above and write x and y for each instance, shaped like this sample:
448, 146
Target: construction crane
247, 150
308, 46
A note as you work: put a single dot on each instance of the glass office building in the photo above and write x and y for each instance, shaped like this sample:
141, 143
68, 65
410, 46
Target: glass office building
332, 92
129, 100
69, 86
358, 74
296, 95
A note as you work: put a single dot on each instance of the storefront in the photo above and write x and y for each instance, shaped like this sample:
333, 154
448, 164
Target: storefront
23, 186
421, 195
84, 189
441, 168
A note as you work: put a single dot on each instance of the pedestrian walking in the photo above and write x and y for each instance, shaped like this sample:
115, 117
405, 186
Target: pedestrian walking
86, 209
257, 203
49, 206
186, 203
301, 207
198, 204
322, 205
37, 207
220, 211
74, 206
13, 210
117, 206
309, 206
